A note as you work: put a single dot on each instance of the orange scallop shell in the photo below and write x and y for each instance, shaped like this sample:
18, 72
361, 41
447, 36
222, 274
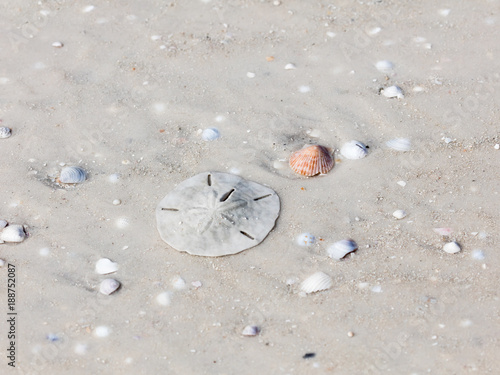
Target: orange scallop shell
311, 161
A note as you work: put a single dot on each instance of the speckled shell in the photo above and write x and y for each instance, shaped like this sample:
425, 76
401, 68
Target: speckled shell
316, 282
72, 175
5, 132
13, 233
340, 249
311, 161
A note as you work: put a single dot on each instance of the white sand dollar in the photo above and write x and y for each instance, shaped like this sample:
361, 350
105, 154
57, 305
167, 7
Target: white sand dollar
215, 214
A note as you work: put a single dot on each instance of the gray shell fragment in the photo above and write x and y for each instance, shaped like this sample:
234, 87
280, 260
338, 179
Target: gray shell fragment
72, 175
216, 214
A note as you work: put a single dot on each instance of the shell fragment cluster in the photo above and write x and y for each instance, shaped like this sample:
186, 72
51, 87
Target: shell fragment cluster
216, 214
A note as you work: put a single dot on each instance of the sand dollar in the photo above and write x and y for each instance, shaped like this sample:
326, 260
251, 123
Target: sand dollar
215, 214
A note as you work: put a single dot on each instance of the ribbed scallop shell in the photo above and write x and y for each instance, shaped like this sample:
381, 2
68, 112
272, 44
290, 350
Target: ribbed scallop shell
13, 233
316, 282
5, 132
72, 175
311, 161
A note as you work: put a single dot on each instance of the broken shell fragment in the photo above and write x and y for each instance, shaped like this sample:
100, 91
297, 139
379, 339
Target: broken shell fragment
399, 144
354, 150
452, 247
72, 175
3, 223
399, 214
5, 132
250, 331
384, 66
12, 233
216, 214
340, 249
210, 134
311, 161
316, 283
393, 92
109, 286
105, 266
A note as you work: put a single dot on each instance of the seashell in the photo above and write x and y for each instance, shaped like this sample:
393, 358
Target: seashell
316, 282
57, 44
399, 144
306, 239
384, 66
178, 283
109, 286
251, 331
13, 233
3, 223
102, 331
163, 299
393, 92
72, 175
311, 161
399, 214
452, 247
5, 132
290, 66
210, 134
105, 266
353, 150
340, 249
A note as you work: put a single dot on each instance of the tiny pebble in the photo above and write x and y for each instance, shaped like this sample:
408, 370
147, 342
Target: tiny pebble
163, 299
290, 66
303, 89
350, 334
80, 349
116, 202
377, 289
497, 146
102, 331
57, 44
402, 183
399, 214
251, 75
309, 355
210, 134
2, 262
451, 247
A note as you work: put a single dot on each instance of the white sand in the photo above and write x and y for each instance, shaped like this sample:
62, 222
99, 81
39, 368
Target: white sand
127, 93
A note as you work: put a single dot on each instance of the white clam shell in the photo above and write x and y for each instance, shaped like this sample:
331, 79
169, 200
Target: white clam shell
5, 132
384, 66
399, 214
251, 331
399, 144
354, 150
452, 247
109, 286
210, 134
306, 239
105, 266
72, 175
340, 249
13, 233
393, 92
316, 282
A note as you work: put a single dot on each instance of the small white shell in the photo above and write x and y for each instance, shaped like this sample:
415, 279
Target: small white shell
393, 92
57, 44
72, 175
290, 66
163, 299
13, 233
3, 223
451, 247
316, 282
399, 214
340, 249
109, 286
384, 66
306, 239
250, 331
399, 144
178, 283
102, 331
5, 132
210, 134
354, 150
105, 266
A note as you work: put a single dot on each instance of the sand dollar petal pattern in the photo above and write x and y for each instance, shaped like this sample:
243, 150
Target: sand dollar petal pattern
216, 214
